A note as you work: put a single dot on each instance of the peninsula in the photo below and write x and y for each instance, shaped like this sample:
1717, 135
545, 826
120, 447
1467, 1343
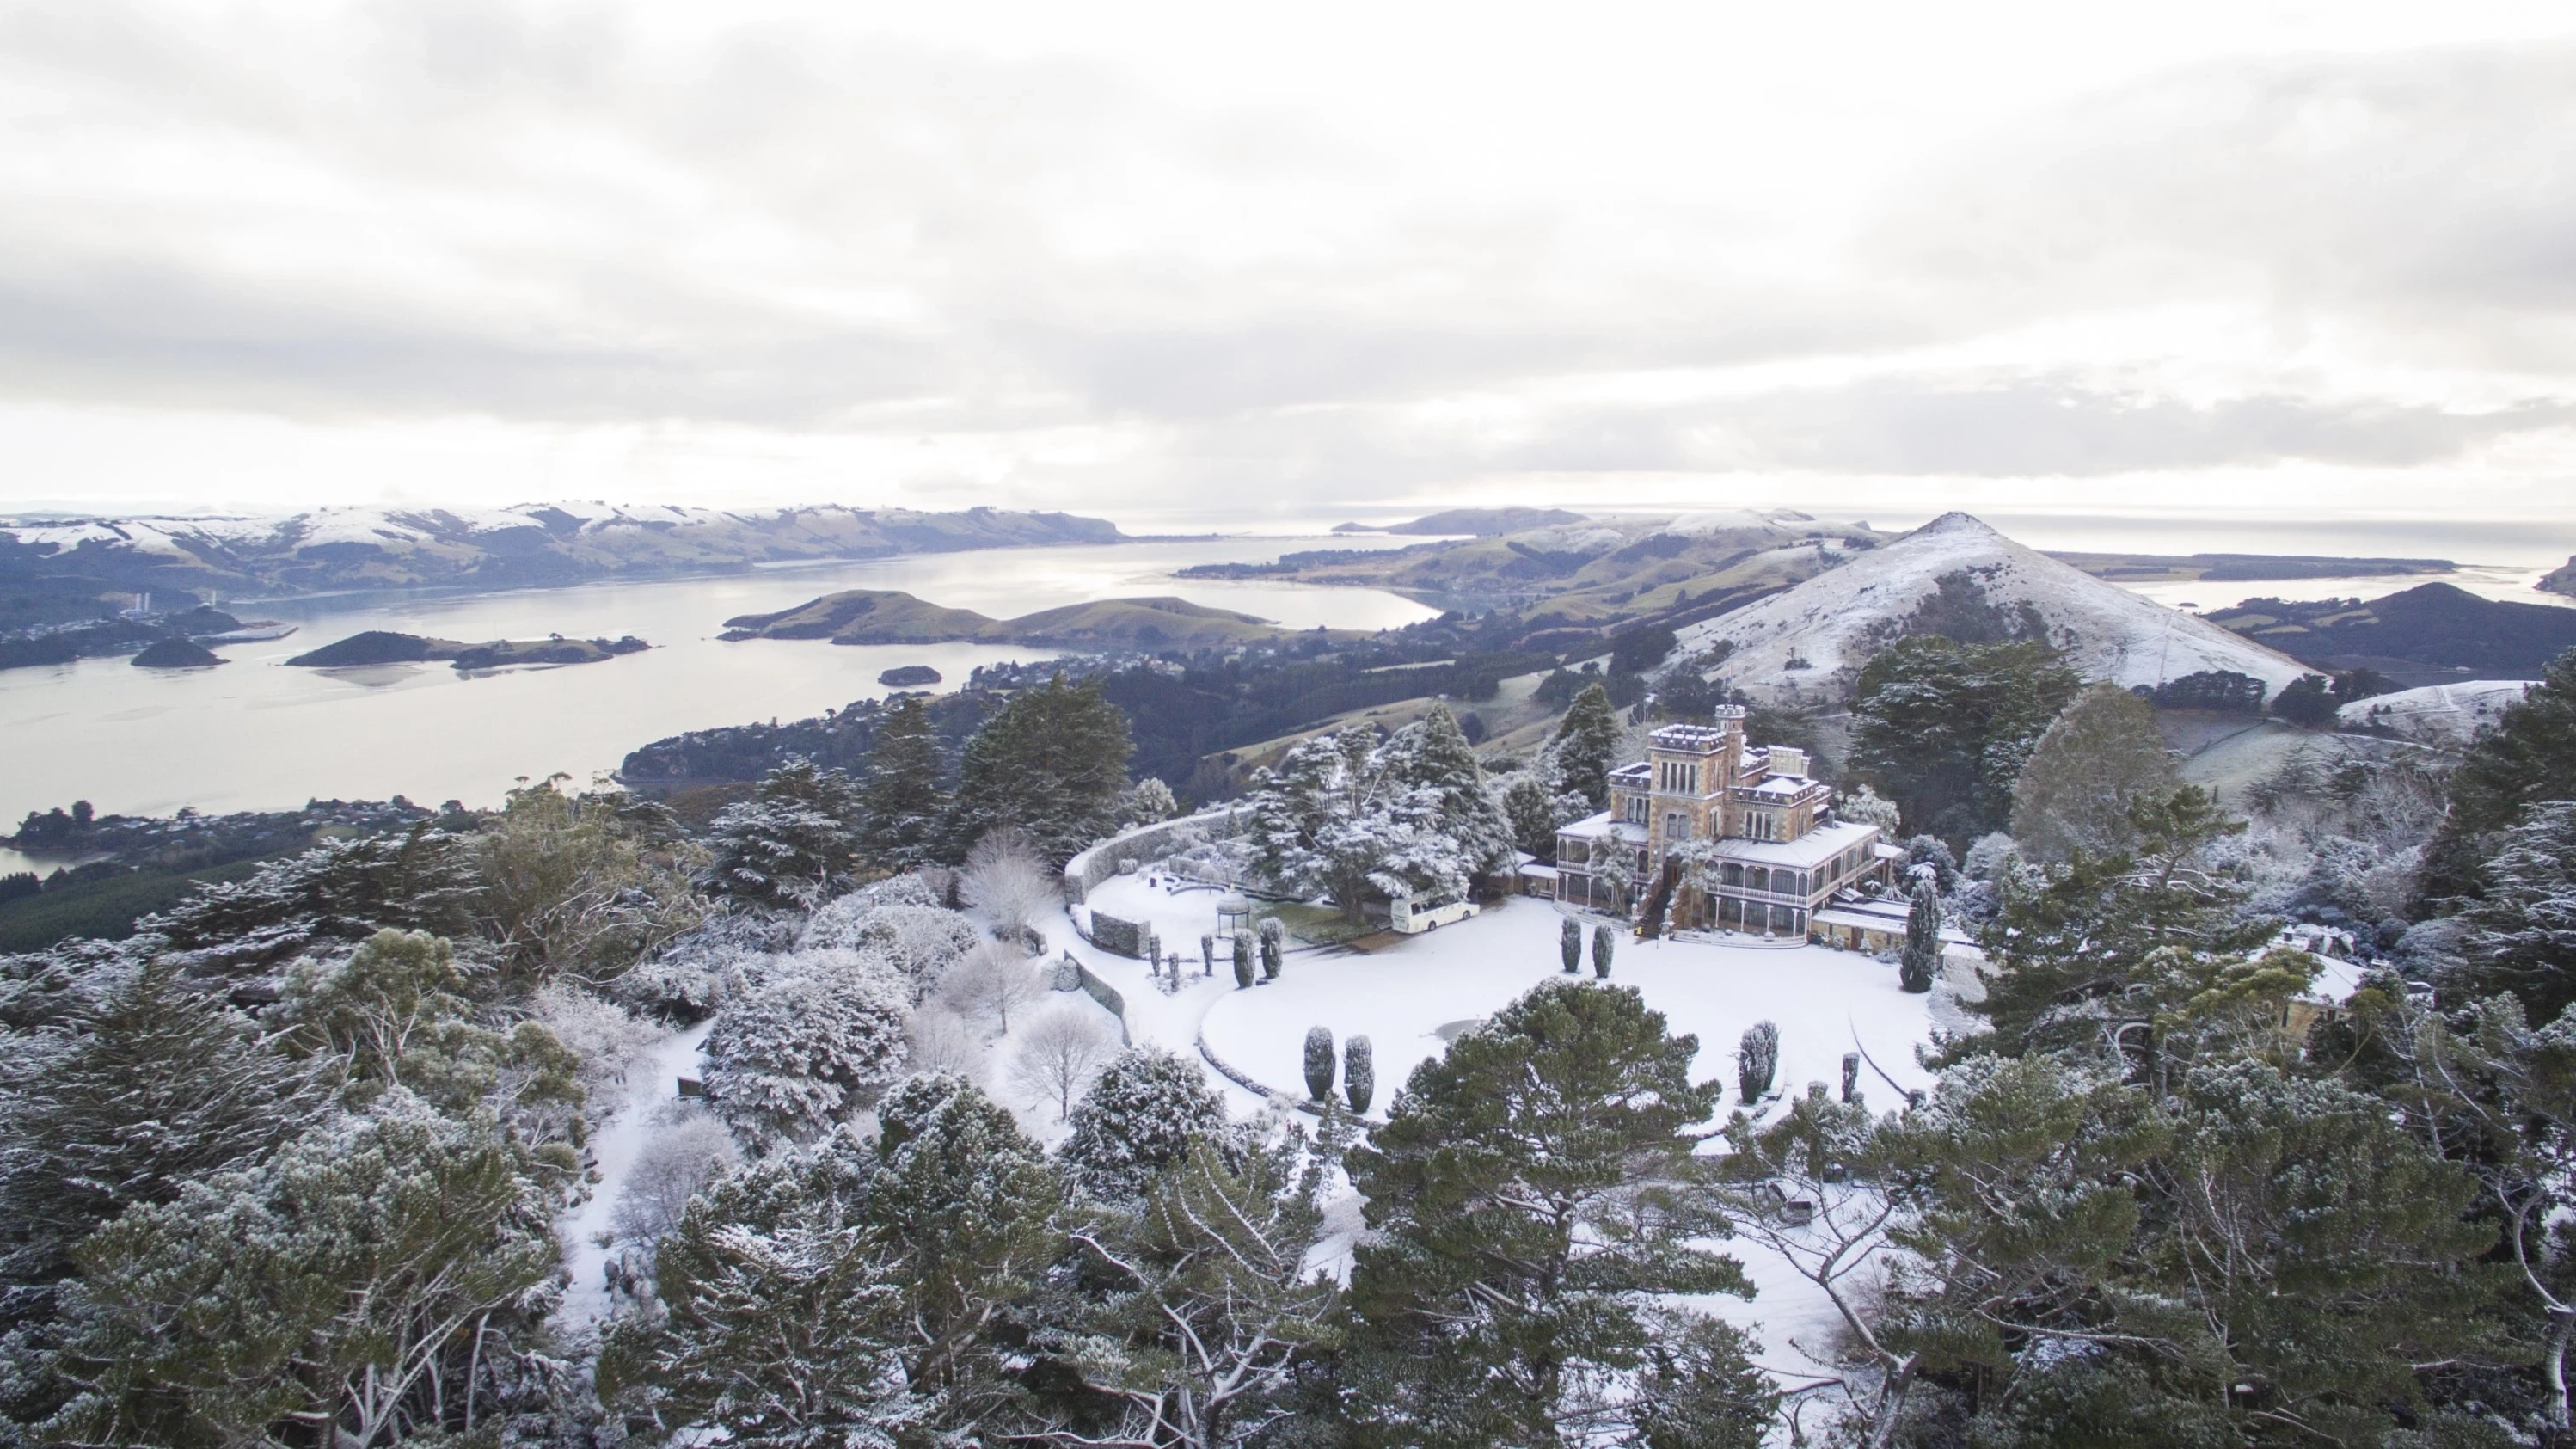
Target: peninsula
888, 616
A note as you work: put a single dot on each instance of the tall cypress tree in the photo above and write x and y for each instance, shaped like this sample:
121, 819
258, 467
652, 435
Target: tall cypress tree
1921, 960
902, 795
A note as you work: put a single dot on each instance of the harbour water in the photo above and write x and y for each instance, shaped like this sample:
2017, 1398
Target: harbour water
257, 734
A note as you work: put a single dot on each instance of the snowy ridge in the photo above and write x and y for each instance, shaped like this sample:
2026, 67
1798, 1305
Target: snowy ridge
1836, 620
2437, 714
377, 545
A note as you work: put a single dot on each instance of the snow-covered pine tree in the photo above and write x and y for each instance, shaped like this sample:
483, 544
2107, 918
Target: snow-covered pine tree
144, 1084
1137, 1119
793, 843
1359, 1073
336, 1285
1569, 944
1213, 1318
900, 799
807, 1050
2520, 936
1347, 817
339, 891
1920, 961
1586, 746
1319, 1063
1603, 943
2529, 756
1493, 1303
1529, 809
1146, 802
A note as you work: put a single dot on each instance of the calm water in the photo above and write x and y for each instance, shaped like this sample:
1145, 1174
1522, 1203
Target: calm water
255, 734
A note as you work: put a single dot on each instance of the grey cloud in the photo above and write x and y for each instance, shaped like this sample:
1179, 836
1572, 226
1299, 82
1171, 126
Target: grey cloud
2041, 429
959, 186
1919, 427
2431, 195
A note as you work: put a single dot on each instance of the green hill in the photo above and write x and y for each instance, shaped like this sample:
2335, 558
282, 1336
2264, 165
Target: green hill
1159, 623
886, 616
863, 616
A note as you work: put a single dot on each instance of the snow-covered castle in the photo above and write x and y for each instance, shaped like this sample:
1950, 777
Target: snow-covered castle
1727, 834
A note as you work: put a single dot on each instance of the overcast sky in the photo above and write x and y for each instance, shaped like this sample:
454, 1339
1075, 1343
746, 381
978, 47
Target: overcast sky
1302, 261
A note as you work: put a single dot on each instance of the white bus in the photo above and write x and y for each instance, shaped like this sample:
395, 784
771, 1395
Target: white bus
1414, 914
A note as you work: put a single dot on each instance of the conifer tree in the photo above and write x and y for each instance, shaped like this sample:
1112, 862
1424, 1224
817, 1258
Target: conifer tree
2520, 935
1920, 961
1052, 762
2104, 948
1242, 959
793, 843
901, 797
1137, 1119
1586, 746
850, 1293
1319, 1063
2529, 756
1495, 1302
2099, 756
1944, 728
1529, 808
327, 1289
1214, 1312
1359, 1073
1757, 1061
135, 1091
1569, 944
1602, 945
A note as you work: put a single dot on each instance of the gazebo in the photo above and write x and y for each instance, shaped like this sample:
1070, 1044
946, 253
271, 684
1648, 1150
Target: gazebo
1233, 913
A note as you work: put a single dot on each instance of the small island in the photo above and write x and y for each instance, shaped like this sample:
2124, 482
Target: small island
2560, 581
177, 652
382, 646
909, 676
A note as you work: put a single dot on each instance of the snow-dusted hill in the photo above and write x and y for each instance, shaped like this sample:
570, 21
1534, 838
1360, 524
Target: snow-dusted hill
378, 547
1828, 626
2438, 714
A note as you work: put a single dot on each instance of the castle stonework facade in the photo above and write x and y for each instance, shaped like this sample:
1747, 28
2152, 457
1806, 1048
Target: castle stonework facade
1731, 836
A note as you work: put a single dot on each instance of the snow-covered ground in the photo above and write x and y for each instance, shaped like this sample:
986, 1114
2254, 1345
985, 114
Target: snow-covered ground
1403, 998
620, 1138
1825, 1003
1830, 621
2438, 714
